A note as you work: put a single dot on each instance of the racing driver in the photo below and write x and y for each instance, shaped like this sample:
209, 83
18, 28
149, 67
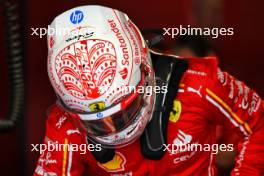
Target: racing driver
91, 68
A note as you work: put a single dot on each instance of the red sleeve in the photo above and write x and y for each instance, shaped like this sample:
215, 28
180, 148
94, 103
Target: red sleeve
240, 109
61, 159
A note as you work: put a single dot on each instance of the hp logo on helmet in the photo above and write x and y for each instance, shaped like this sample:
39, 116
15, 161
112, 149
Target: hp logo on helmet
99, 115
76, 17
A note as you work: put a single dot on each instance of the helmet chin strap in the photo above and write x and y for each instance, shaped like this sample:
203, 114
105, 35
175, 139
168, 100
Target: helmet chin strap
104, 155
168, 72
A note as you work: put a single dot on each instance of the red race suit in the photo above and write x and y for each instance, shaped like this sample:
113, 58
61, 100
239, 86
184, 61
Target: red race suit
207, 97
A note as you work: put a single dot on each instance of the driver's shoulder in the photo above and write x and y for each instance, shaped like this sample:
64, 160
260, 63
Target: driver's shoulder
64, 125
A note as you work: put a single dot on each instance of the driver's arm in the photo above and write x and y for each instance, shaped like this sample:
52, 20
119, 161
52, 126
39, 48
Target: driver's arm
60, 161
242, 110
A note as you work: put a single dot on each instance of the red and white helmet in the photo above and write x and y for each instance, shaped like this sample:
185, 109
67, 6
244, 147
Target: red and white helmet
100, 68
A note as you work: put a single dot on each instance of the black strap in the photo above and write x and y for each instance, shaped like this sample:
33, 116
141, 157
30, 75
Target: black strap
168, 72
104, 155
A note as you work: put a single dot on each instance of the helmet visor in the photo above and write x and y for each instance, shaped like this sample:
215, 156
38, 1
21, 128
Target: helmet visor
117, 121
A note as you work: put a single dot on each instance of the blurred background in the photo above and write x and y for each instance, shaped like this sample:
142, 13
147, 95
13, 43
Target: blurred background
25, 90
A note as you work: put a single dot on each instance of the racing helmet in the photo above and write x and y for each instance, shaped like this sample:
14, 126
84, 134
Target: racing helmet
100, 68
